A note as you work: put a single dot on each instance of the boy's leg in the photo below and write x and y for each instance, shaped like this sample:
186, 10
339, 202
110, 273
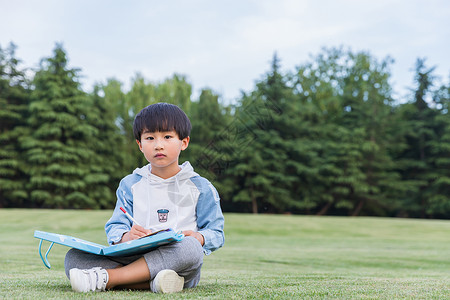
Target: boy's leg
134, 275
184, 257
125, 278
83, 260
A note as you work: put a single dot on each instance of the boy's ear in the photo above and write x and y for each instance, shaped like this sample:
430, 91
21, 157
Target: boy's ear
139, 144
185, 143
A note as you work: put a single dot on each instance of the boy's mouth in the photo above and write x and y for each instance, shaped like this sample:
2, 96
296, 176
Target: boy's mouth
159, 155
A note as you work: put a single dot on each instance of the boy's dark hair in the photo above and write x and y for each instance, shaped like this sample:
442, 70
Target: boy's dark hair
161, 117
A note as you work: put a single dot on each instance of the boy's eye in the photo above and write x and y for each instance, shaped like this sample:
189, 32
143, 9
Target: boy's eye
149, 138
167, 137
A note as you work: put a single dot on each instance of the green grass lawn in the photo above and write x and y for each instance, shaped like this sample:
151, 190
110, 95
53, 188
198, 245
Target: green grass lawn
265, 256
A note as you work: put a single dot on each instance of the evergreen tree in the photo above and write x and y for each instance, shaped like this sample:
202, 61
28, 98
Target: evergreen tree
327, 139
368, 104
261, 146
176, 90
347, 116
329, 151
207, 117
438, 193
420, 133
107, 163
58, 149
115, 99
14, 100
123, 115
209, 121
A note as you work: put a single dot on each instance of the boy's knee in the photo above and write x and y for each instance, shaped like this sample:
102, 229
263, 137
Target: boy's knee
194, 252
73, 259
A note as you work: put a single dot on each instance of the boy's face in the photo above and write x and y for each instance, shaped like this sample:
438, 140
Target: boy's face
162, 149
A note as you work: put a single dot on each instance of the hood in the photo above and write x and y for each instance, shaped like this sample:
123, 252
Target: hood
186, 172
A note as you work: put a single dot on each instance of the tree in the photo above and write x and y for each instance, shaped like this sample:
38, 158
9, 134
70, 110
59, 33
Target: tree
421, 132
261, 145
329, 152
368, 104
207, 147
58, 150
346, 108
14, 100
107, 163
116, 100
439, 191
176, 90
208, 121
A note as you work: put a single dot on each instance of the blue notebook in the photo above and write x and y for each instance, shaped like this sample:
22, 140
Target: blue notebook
133, 247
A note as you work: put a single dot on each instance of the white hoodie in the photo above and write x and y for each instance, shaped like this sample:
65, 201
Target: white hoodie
166, 203
185, 201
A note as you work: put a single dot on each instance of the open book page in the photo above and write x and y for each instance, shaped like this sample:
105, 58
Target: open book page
143, 244
137, 246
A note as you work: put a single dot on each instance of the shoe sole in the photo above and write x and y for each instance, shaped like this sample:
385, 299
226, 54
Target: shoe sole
170, 282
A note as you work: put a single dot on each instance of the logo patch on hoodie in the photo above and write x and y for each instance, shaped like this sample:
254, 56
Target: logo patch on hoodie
163, 215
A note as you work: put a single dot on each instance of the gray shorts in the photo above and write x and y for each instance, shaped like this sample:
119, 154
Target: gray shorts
184, 257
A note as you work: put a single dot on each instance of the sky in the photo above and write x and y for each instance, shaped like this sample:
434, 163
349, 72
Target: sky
224, 45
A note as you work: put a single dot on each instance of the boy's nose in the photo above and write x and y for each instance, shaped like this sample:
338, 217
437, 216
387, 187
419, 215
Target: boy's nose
159, 145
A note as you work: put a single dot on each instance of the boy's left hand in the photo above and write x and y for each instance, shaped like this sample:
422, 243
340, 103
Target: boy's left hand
195, 234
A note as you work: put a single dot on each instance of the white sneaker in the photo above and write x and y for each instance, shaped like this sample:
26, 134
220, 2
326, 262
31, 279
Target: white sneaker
167, 281
94, 279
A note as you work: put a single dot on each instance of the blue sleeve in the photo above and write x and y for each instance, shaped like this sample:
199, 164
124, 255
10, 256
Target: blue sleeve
119, 223
210, 220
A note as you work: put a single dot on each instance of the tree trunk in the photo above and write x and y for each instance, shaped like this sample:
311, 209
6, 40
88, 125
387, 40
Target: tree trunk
324, 209
254, 206
254, 203
358, 208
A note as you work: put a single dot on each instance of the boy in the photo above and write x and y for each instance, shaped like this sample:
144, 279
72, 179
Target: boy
160, 195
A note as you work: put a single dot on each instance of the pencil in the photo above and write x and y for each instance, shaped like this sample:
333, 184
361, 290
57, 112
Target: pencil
129, 216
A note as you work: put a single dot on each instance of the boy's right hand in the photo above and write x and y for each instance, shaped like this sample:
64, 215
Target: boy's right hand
136, 232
